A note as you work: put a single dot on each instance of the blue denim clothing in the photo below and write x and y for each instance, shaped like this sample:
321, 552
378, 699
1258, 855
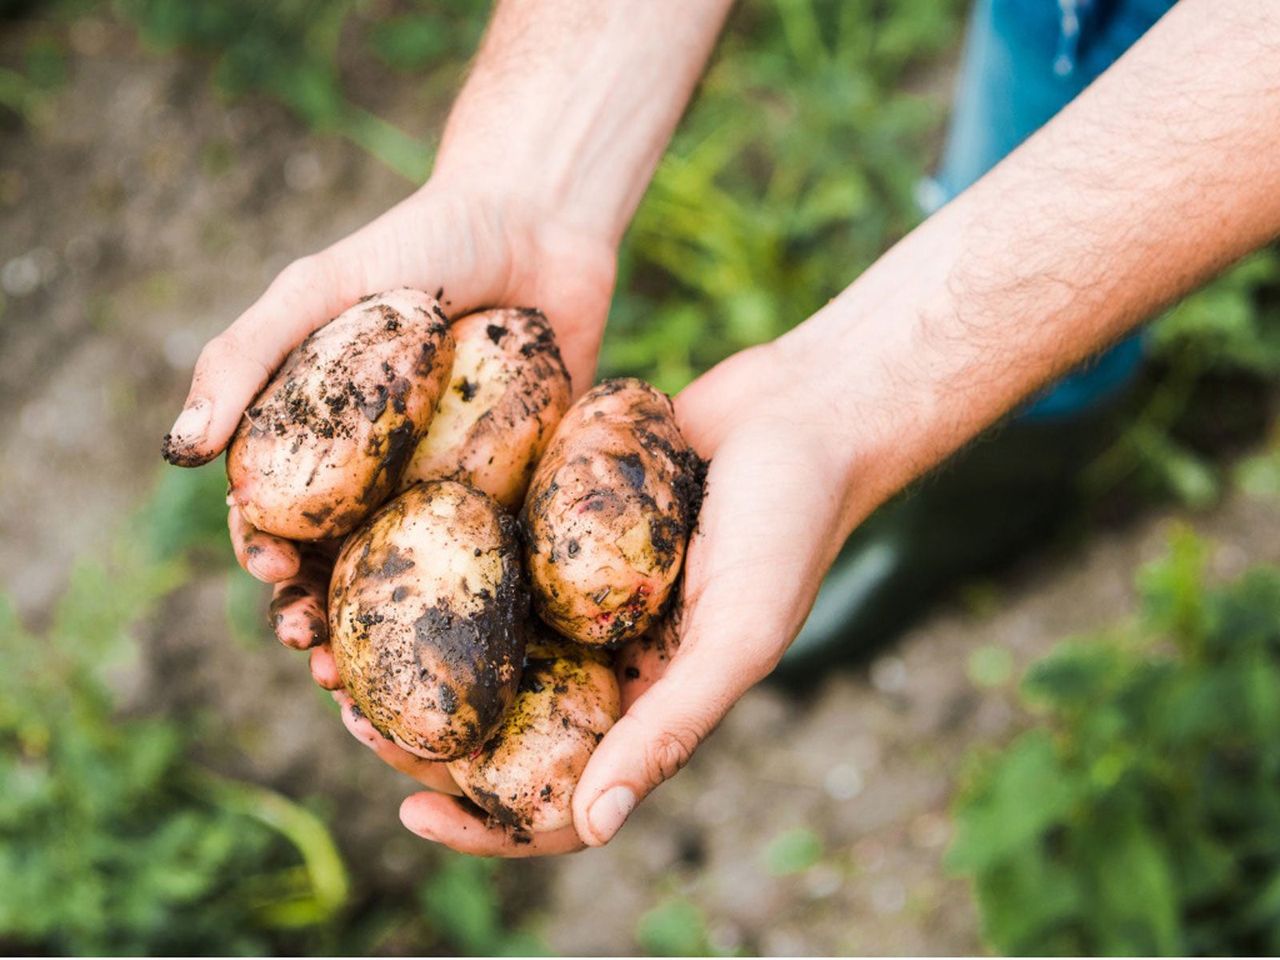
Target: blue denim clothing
1024, 60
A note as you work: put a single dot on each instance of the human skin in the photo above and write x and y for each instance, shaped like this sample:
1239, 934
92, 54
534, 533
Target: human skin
1160, 174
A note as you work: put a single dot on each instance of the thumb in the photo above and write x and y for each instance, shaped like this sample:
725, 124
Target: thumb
650, 744
765, 535
235, 365
422, 242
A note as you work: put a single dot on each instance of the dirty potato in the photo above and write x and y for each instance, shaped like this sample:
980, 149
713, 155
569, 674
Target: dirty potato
508, 390
427, 615
525, 775
609, 512
326, 441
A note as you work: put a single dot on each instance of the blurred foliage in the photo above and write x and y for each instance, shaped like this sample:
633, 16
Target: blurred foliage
1226, 334
792, 851
461, 902
990, 666
26, 87
747, 228
1139, 815
294, 51
112, 840
674, 928
794, 169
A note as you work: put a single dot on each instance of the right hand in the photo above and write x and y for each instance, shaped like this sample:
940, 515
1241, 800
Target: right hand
483, 251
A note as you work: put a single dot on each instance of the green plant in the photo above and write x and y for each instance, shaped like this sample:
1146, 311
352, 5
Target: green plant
793, 170
792, 851
1228, 331
111, 839
25, 91
674, 928
1139, 814
290, 50
462, 904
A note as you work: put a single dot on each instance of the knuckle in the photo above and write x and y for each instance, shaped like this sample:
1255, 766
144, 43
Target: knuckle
300, 274
224, 349
669, 751
229, 350
214, 352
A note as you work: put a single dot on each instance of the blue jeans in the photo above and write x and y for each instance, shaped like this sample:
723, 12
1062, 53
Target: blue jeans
1025, 60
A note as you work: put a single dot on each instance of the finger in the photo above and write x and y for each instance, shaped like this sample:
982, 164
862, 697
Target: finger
266, 557
234, 366
642, 662
652, 741
324, 669
751, 572
461, 826
429, 773
297, 611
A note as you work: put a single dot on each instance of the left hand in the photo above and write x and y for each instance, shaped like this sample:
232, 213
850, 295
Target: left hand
775, 515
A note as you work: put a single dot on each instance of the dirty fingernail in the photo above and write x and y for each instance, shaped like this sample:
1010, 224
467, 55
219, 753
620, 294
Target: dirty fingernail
610, 812
192, 422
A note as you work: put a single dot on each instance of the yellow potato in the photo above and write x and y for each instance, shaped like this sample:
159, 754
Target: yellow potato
609, 512
508, 390
427, 618
326, 441
524, 777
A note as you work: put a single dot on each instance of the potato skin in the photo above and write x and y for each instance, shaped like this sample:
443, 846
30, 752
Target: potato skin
327, 439
609, 512
508, 390
427, 616
524, 777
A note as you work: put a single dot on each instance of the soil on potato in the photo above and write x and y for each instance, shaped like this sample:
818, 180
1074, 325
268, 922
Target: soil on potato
136, 219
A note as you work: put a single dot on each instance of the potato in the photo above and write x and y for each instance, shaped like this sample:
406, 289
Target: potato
508, 390
609, 512
427, 616
525, 775
326, 441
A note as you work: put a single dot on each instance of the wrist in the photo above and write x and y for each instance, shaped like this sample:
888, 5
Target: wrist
882, 373
531, 173
570, 104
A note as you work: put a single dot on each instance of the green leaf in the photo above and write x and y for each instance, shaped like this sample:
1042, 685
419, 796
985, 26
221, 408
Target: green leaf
460, 902
674, 928
1074, 675
1172, 595
1013, 805
1132, 886
1026, 902
793, 851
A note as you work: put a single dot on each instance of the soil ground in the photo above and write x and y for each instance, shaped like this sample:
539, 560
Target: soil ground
136, 218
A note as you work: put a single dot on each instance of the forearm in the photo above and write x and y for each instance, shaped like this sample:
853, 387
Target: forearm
571, 103
1161, 173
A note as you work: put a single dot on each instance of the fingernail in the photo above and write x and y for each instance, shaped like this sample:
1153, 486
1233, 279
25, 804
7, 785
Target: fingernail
610, 812
192, 422
411, 822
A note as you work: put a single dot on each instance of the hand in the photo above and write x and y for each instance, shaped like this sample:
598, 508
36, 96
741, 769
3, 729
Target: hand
480, 249
775, 514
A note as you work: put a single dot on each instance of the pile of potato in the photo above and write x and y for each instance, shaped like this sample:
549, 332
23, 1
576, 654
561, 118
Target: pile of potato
505, 502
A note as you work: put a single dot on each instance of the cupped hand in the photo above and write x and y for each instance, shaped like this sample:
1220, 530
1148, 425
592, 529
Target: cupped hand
776, 512
477, 249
